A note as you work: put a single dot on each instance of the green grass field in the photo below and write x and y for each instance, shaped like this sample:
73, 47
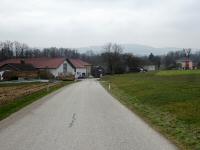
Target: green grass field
168, 100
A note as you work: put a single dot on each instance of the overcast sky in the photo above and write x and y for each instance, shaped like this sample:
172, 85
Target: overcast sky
79, 23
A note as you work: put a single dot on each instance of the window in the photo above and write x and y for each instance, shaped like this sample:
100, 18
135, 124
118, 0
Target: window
64, 68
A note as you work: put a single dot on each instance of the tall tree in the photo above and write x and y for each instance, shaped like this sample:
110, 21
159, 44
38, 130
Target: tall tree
112, 58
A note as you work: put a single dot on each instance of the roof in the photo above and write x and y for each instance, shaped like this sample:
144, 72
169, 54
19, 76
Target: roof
77, 63
39, 63
19, 67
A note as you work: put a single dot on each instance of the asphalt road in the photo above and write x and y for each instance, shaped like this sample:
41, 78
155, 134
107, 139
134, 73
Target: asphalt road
82, 116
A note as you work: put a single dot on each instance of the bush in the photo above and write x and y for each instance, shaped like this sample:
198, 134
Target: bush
44, 74
68, 77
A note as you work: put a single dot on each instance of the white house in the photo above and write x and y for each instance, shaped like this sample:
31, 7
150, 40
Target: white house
78, 68
150, 67
185, 64
56, 66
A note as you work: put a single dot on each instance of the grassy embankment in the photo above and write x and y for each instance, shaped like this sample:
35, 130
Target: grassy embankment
168, 100
19, 102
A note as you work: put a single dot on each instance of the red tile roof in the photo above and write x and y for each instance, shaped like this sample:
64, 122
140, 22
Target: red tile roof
77, 63
39, 63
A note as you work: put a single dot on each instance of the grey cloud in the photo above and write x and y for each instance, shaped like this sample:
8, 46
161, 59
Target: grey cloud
77, 23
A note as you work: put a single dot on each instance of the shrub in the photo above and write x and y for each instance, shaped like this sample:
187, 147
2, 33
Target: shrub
44, 74
68, 77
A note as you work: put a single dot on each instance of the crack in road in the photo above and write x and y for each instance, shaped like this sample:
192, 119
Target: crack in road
73, 120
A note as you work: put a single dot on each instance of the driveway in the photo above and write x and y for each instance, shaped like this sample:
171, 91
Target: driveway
81, 116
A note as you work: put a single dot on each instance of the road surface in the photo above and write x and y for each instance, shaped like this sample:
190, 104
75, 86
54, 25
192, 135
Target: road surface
81, 116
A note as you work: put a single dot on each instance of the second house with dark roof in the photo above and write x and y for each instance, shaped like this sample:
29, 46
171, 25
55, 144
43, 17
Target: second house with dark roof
56, 66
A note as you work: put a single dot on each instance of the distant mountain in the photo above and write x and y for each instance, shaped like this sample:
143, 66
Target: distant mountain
136, 49
94, 48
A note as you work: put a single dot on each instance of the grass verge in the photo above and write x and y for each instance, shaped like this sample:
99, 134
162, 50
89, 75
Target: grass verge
8, 109
169, 101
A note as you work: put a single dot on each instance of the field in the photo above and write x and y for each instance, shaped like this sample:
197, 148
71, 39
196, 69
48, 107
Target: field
10, 92
15, 96
168, 100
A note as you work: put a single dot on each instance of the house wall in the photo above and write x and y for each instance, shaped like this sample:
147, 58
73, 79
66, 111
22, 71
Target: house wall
60, 70
78, 72
150, 68
88, 71
56, 71
184, 65
1, 74
70, 69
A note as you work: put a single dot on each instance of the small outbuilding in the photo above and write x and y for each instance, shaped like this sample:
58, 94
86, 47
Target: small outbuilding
78, 68
185, 64
150, 67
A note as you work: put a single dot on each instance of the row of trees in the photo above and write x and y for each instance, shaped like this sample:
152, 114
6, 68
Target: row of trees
15, 49
111, 58
169, 61
117, 61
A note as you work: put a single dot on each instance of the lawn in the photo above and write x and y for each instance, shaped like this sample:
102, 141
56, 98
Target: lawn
13, 97
168, 100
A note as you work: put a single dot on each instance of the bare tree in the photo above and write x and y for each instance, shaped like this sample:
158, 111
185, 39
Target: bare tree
112, 57
6, 49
